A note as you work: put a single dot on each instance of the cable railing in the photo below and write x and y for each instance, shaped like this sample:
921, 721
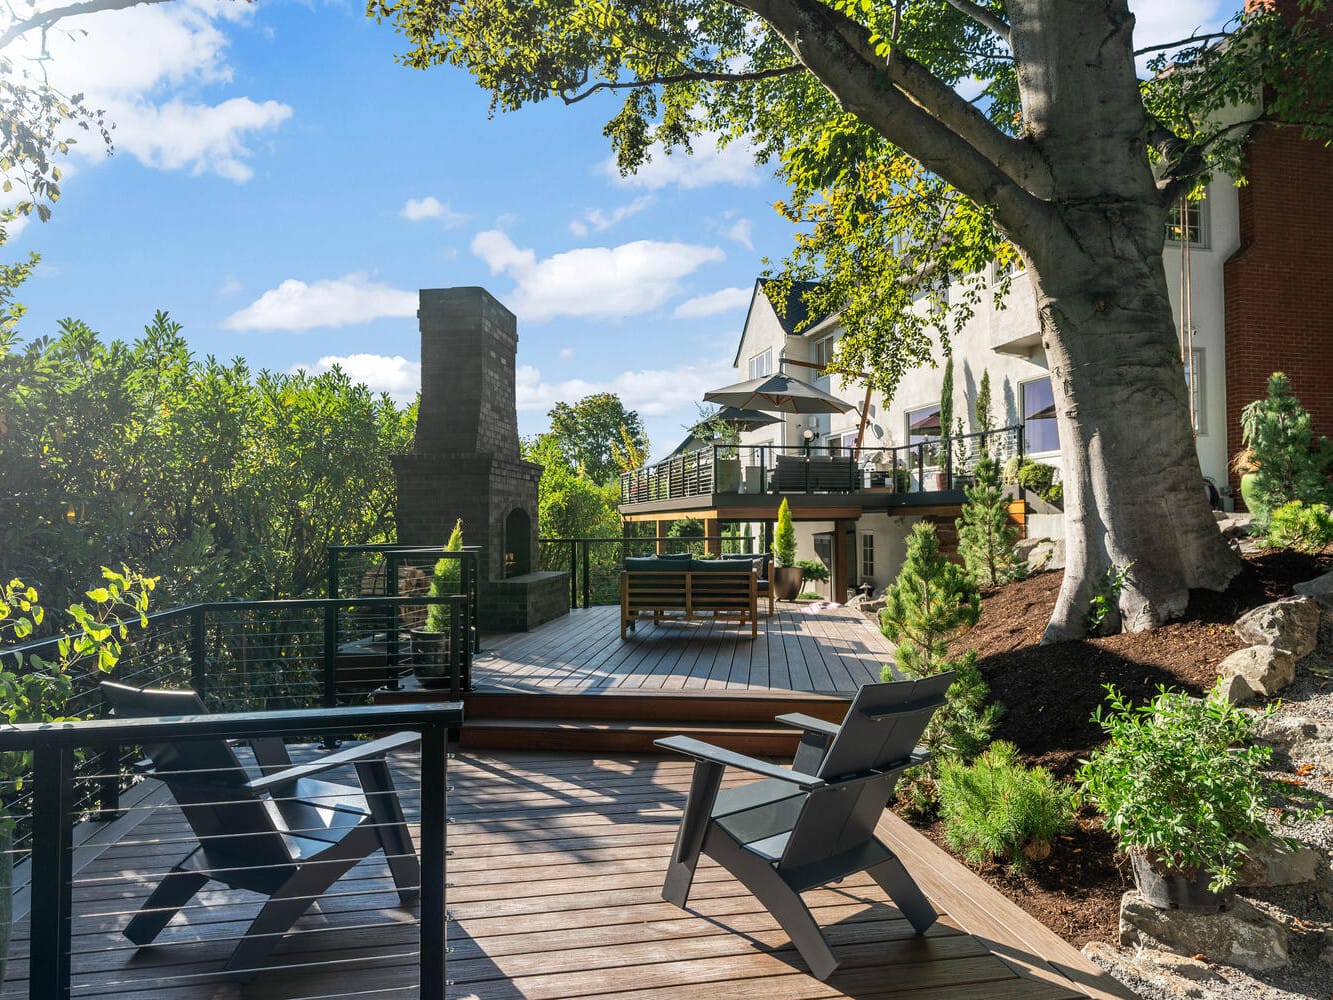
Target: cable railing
594, 564
923, 466
78, 912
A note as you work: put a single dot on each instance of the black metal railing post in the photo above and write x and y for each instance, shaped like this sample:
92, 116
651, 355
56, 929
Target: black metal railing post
587, 574
434, 899
573, 573
52, 826
333, 572
198, 647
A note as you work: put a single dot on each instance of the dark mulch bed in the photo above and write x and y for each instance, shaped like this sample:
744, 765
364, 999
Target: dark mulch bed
1049, 694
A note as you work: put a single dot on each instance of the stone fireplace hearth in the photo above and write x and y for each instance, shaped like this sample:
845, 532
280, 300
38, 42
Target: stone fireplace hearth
465, 461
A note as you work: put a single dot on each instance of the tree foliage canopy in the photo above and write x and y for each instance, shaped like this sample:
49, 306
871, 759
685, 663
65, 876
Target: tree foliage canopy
592, 432
224, 482
902, 188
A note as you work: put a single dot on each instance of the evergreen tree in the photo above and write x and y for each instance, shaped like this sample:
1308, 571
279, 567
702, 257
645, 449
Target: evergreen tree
931, 602
784, 538
946, 400
985, 536
984, 414
1291, 464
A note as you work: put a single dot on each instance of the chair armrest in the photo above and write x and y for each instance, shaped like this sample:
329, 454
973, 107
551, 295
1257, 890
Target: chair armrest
809, 723
363, 751
700, 750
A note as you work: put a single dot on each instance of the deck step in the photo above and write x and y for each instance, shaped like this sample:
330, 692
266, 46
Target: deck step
621, 735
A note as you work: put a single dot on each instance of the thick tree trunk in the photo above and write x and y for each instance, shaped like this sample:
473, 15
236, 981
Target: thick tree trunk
1134, 496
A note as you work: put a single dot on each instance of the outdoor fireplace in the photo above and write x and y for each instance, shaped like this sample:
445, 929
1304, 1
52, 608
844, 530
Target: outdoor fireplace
465, 460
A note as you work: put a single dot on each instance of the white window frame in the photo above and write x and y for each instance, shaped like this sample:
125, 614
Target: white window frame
761, 364
867, 556
1199, 229
821, 352
1023, 413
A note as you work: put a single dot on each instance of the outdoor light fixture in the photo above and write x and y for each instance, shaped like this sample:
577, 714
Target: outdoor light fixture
70, 514
808, 435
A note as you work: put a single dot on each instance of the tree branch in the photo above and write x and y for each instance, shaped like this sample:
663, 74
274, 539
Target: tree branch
913, 109
46, 18
1181, 43
983, 17
691, 76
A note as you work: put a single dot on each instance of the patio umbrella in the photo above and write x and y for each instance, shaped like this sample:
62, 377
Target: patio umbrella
778, 393
745, 420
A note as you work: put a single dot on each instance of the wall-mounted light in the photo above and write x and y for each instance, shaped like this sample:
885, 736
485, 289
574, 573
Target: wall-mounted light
70, 514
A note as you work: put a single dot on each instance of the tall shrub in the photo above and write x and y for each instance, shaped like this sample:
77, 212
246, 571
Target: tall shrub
931, 602
946, 400
445, 581
1291, 463
985, 537
983, 413
784, 537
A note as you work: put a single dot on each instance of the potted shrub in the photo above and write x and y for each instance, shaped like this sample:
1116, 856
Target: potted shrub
430, 641
1182, 790
814, 571
787, 575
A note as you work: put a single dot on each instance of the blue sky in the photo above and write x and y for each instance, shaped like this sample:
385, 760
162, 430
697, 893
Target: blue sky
283, 188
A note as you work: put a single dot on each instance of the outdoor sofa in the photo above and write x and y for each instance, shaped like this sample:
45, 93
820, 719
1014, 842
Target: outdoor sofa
687, 588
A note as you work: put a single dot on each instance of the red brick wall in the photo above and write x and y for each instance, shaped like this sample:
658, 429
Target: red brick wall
1279, 284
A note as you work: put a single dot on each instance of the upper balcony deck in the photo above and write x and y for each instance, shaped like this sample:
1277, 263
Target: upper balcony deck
746, 481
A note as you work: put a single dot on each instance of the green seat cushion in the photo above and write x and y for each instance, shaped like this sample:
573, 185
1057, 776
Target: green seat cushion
651, 564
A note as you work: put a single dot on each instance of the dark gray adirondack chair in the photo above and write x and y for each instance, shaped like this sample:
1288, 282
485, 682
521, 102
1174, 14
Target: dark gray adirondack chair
802, 828
285, 835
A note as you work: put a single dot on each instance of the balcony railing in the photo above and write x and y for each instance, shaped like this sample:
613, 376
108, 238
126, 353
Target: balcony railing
54, 886
926, 466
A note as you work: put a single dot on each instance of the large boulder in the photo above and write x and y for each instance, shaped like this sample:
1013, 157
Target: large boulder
1320, 589
1292, 625
1243, 935
1266, 669
1273, 862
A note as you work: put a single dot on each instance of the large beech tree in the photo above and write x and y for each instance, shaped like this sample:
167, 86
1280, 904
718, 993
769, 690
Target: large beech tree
903, 187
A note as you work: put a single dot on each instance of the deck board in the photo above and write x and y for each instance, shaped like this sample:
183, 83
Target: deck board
800, 648
555, 893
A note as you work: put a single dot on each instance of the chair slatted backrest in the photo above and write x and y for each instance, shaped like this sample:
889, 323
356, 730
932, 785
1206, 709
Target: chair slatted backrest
882, 728
206, 779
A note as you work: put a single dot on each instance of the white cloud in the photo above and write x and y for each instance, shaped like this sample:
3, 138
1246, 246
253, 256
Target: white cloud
709, 164
717, 302
395, 375
229, 287
596, 220
566, 353
607, 282
139, 64
740, 232
344, 301
652, 392
1157, 23
430, 207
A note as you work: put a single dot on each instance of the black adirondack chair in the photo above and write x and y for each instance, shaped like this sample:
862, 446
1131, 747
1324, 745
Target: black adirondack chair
802, 828
286, 835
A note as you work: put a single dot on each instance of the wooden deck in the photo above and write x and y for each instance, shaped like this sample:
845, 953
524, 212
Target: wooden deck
801, 648
555, 878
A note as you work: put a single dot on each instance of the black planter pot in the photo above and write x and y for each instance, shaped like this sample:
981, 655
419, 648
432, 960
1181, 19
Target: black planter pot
787, 582
431, 662
1176, 892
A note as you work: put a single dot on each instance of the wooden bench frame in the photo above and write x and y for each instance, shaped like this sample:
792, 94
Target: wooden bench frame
720, 593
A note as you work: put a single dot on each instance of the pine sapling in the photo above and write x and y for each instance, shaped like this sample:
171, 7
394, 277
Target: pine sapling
986, 539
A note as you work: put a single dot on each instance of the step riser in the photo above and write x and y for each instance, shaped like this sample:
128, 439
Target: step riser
481, 738
720, 708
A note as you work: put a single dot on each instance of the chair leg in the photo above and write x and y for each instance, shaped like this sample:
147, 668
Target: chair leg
386, 812
283, 909
173, 892
892, 877
693, 826
780, 899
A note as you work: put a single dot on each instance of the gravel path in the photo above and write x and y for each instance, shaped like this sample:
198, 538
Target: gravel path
1302, 728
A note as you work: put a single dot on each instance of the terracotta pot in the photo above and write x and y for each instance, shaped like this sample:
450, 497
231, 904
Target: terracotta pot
1176, 892
787, 582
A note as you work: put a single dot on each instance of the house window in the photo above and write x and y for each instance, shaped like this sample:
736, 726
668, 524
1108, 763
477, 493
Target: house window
762, 364
1194, 381
1038, 403
1011, 267
1194, 219
867, 557
823, 352
923, 425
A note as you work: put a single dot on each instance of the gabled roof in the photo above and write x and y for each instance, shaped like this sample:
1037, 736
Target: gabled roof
795, 318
